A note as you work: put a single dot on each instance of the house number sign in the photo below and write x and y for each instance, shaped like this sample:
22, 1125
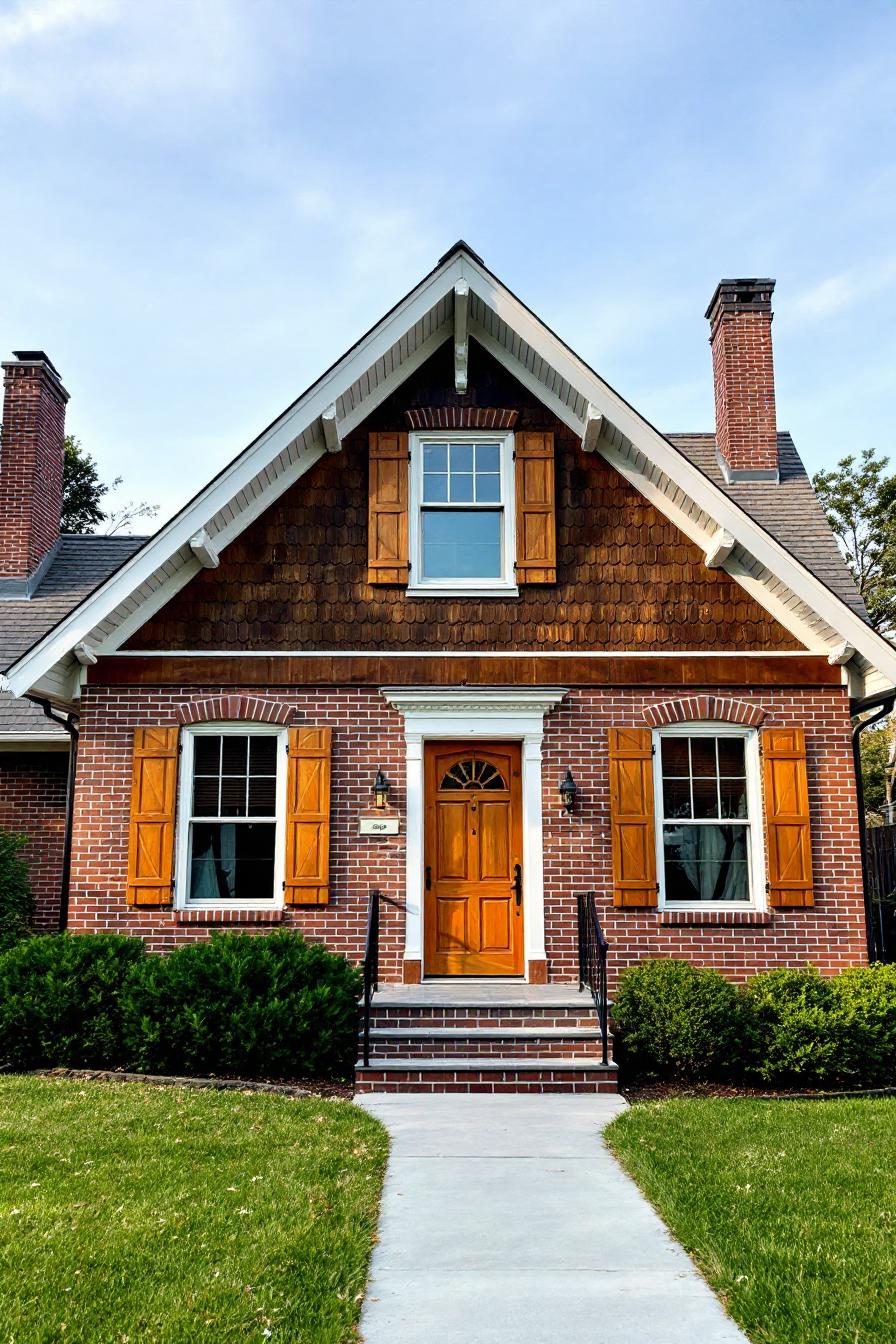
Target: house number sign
378, 826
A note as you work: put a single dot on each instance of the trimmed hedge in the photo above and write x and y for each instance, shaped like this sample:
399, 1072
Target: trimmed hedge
784, 1028
246, 1006
240, 1004
672, 1020
16, 900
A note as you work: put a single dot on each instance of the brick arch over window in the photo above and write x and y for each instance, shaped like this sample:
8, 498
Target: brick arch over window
704, 708
227, 708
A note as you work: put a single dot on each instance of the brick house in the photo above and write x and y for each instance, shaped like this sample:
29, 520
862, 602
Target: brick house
463, 627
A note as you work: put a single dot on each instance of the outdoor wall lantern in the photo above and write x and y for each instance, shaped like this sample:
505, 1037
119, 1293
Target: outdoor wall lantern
380, 789
568, 791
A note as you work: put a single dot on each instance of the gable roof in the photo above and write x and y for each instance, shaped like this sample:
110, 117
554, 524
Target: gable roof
81, 563
677, 478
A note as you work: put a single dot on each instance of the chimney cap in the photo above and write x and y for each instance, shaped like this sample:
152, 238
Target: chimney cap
36, 357
754, 295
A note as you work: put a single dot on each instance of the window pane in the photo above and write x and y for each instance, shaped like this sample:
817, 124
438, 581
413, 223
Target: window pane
232, 862
435, 457
706, 798
205, 796
488, 458
706, 863
676, 760
234, 754
462, 544
435, 489
206, 755
488, 489
734, 797
262, 795
461, 458
676, 798
461, 489
731, 756
233, 796
263, 755
703, 755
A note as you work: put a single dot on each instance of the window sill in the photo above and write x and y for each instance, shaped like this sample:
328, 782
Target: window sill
229, 915
725, 918
427, 590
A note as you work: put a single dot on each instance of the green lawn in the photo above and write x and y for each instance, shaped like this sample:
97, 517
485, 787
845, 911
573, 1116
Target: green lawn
134, 1213
789, 1208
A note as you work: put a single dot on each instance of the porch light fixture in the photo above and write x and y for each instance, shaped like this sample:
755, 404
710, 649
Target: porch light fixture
380, 789
568, 791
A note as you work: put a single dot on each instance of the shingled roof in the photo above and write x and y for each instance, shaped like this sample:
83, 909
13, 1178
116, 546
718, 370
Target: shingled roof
80, 565
789, 510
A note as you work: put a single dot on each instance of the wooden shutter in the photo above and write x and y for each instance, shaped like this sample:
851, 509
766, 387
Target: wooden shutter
151, 837
536, 528
787, 817
387, 514
632, 817
308, 817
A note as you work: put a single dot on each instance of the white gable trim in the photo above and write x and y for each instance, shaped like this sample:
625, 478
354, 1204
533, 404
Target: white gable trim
356, 385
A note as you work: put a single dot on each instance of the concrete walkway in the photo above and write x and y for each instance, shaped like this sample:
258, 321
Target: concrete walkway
506, 1219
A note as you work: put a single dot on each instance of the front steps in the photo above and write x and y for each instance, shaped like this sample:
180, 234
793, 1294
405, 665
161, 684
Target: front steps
484, 1036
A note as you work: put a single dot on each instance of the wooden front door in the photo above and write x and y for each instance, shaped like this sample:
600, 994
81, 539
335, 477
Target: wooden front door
473, 879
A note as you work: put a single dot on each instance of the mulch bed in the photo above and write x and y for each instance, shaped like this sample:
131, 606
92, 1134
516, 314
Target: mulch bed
667, 1091
293, 1087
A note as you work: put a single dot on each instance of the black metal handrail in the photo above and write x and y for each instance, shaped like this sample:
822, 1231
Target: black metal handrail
371, 966
593, 948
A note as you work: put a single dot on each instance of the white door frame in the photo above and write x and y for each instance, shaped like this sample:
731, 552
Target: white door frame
510, 713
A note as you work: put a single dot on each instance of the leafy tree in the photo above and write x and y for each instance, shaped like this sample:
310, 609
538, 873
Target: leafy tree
859, 499
877, 771
83, 493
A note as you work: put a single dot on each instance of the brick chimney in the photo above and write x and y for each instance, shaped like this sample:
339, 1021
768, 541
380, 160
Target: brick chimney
31, 456
740, 324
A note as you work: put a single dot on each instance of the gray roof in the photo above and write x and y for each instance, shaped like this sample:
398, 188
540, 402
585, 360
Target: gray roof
81, 564
790, 511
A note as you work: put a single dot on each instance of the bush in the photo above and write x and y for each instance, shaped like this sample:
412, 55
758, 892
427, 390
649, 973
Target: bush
245, 1006
16, 901
61, 1000
865, 996
673, 1020
801, 1035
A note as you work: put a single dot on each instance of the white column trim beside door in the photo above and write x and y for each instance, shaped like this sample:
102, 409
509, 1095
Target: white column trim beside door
510, 713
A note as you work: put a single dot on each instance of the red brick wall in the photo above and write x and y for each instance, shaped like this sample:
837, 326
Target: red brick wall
368, 733
32, 801
31, 457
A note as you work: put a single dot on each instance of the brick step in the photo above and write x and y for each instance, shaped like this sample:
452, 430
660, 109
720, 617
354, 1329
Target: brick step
451, 1074
434, 1042
485, 1016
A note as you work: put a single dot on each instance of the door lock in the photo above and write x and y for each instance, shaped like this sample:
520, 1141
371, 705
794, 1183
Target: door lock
428, 878
517, 885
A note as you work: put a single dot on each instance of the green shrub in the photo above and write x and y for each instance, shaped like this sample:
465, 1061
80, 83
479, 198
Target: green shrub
61, 1000
245, 1006
801, 1035
673, 1020
865, 997
16, 901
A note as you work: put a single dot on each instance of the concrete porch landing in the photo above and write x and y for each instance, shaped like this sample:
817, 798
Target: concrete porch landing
464, 992
506, 1221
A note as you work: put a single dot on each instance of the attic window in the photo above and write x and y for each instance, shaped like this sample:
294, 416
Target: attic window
461, 524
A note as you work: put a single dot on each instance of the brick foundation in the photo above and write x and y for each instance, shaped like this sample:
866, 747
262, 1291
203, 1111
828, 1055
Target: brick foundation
367, 733
32, 801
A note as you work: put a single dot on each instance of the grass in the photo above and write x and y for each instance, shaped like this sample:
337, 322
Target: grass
789, 1208
131, 1213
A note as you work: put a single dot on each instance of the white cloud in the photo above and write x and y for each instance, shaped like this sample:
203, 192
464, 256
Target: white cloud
41, 18
827, 296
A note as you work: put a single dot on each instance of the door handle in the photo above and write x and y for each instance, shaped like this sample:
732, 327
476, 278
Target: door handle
517, 884
428, 878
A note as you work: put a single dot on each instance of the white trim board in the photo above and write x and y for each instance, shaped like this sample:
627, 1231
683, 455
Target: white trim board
458, 653
361, 380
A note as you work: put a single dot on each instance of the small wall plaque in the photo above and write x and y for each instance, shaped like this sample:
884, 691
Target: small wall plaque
378, 826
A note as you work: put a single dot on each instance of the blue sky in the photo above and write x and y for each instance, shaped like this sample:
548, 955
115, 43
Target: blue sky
204, 202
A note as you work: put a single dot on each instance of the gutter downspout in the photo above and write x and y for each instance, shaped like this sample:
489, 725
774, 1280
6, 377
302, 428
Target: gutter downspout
882, 702
70, 724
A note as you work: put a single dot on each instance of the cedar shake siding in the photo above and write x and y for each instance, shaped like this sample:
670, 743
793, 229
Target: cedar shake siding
627, 578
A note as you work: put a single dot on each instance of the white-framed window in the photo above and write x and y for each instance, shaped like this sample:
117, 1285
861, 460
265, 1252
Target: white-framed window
231, 816
462, 513
708, 803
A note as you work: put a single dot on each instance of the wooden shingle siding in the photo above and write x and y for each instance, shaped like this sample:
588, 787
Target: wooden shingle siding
626, 578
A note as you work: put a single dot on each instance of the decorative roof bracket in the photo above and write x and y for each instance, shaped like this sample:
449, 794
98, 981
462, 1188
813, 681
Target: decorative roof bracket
461, 336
